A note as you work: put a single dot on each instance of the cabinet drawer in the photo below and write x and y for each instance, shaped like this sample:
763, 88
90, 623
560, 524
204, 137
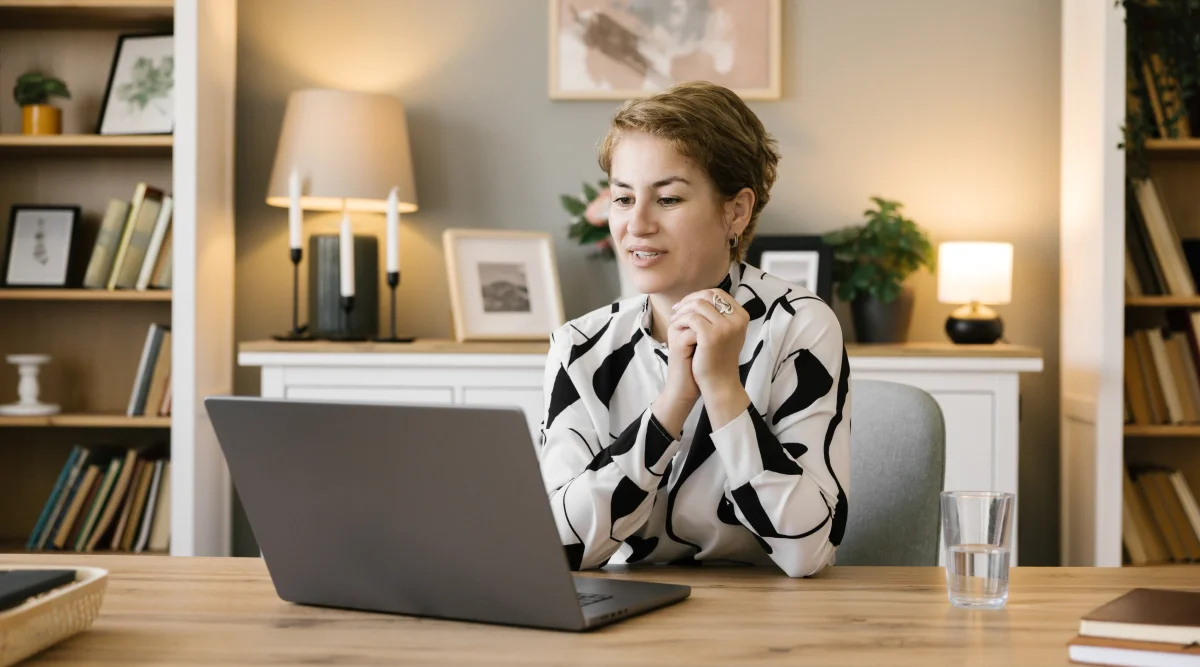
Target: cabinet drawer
418, 395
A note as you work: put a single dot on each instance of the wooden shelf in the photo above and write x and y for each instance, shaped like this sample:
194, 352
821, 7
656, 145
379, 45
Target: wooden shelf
19, 294
1162, 301
87, 421
86, 14
85, 144
1162, 431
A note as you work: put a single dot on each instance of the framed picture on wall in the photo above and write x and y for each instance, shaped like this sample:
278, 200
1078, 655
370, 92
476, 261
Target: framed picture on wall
601, 49
140, 97
806, 261
503, 284
38, 252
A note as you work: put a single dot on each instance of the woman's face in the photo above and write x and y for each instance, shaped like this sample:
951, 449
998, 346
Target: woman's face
667, 219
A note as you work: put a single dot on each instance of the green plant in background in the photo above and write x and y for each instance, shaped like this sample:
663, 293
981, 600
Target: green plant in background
874, 259
1169, 29
36, 88
589, 217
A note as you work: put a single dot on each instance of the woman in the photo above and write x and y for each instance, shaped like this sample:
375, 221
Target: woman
709, 419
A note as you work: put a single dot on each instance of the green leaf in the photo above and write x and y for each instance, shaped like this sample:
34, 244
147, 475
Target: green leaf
573, 205
589, 193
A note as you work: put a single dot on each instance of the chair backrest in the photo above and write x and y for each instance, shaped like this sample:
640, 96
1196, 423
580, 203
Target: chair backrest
897, 468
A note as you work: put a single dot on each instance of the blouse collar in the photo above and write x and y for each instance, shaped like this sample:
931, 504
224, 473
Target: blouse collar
730, 283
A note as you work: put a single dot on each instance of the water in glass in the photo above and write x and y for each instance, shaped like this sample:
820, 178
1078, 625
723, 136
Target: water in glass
977, 575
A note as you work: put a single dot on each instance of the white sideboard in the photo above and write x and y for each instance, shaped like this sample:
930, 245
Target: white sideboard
977, 387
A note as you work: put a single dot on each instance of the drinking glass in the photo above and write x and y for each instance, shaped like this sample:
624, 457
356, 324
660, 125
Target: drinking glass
977, 528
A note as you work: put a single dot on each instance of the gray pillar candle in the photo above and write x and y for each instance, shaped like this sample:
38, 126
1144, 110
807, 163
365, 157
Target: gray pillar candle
325, 314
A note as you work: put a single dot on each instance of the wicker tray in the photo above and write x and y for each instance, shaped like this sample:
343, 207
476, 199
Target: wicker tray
47, 619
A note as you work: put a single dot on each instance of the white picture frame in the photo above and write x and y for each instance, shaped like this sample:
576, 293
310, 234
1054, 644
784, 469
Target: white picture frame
799, 267
503, 284
38, 253
140, 96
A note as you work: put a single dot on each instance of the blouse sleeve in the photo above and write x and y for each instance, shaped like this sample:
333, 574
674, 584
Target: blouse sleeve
600, 495
788, 471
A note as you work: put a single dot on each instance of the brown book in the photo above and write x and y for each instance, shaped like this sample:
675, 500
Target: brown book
87, 489
1158, 511
1151, 538
1149, 615
1187, 368
1104, 651
1176, 363
126, 506
1154, 392
1162, 366
1175, 511
139, 507
1135, 388
115, 499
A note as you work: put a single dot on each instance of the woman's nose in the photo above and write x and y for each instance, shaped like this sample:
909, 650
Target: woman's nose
642, 221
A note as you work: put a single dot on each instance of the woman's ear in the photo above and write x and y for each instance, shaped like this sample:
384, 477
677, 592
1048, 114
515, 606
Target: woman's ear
738, 211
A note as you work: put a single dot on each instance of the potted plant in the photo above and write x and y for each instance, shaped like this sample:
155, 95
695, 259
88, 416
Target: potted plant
33, 92
870, 264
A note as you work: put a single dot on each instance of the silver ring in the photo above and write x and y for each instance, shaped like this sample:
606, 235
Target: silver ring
721, 304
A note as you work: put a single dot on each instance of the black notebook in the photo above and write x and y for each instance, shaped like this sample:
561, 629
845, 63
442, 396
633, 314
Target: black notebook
17, 586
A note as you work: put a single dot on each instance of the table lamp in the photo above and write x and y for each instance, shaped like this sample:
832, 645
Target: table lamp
974, 274
343, 151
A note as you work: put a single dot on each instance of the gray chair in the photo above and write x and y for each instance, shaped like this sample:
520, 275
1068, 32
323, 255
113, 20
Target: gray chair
897, 465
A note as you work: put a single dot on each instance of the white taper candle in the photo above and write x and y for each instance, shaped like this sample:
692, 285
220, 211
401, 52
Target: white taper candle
393, 231
346, 247
295, 214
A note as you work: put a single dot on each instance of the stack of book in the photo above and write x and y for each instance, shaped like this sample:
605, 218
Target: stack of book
1162, 376
1149, 627
1160, 518
133, 248
151, 393
107, 498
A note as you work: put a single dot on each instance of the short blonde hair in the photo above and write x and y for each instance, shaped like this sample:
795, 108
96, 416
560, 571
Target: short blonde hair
713, 126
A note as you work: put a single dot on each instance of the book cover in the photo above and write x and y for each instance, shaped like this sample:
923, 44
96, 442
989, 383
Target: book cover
1147, 614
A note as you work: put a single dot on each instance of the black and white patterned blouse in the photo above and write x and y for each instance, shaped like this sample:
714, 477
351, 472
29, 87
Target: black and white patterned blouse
769, 486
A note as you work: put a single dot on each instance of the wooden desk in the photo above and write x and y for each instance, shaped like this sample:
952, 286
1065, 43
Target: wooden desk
176, 611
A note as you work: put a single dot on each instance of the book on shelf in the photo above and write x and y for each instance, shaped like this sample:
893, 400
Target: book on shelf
152, 380
133, 247
1153, 246
107, 498
1160, 518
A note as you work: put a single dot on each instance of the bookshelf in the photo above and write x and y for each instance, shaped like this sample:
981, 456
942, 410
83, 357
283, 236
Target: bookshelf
1130, 359
95, 337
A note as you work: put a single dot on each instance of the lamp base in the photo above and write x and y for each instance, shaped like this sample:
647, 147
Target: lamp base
300, 334
974, 324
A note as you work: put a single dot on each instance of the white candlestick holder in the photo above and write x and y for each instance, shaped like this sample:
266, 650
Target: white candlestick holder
27, 388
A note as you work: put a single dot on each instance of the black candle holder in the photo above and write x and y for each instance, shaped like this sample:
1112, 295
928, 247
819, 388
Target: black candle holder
393, 281
347, 303
298, 332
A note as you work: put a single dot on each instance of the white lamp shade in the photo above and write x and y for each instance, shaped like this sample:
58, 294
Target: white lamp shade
350, 149
971, 271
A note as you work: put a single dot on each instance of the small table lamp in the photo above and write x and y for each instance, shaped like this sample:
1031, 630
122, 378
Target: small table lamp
344, 151
974, 274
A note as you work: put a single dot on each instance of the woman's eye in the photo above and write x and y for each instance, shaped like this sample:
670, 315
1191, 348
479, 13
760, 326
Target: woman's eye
668, 201
623, 201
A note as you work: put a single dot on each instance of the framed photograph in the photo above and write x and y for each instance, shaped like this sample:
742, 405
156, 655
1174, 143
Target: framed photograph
503, 284
140, 97
806, 261
38, 252
601, 49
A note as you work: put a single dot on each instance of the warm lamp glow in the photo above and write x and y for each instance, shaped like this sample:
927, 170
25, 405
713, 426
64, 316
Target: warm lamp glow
972, 272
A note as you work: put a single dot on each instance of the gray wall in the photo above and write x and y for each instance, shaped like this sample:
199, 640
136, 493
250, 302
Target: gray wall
950, 106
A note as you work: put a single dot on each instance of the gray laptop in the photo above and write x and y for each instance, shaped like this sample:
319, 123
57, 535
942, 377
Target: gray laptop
433, 511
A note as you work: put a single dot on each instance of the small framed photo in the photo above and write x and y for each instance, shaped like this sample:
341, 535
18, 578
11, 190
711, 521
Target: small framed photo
38, 253
503, 284
806, 261
140, 97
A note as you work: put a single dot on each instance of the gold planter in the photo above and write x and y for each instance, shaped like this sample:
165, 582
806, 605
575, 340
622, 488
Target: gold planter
41, 119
